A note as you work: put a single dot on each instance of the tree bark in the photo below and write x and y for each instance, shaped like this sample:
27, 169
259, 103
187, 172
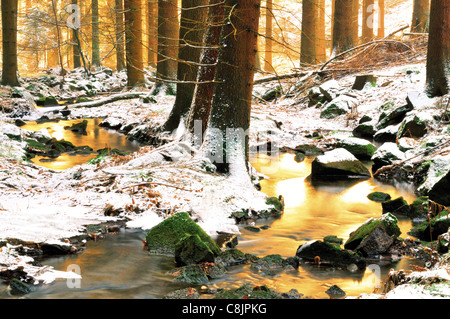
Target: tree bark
75, 48
120, 47
193, 17
321, 48
381, 27
168, 28
133, 37
342, 26
355, 17
226, 142
268, 56
368, 20
308, 38
9, 40
438, 59
421, 16
152, 26
204, 90
95, 34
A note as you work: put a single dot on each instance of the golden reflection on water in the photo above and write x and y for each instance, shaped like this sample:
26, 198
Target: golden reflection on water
96, 137
313, 211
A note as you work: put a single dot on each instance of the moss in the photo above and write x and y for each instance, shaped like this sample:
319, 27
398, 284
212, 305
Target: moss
419, 208
379, 197
439, 225
33, 144
388, 221
164, 237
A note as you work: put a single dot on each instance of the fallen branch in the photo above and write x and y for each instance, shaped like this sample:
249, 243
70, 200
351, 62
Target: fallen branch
109, 99
158, 184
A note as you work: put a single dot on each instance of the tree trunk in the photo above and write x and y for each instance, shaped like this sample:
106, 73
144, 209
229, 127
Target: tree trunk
355, 17
269, 34
52, 51
168, 28
95, 35
226, 142
75, 49
193, 17
421, 16
203, 93
321, 48
342, 26
308, 38
152, 26
368, 21
9, 40
381, 8
133, 37
120, 48
438, 59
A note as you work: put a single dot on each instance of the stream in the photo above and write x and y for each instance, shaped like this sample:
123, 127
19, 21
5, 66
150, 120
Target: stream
119, 266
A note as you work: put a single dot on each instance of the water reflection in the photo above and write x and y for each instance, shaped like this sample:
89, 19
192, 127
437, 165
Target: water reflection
96, 137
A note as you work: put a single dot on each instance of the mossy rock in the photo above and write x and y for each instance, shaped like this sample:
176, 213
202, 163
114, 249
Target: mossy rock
332, 239
191, 274
277, 203
396, 206
364, 130
234, 256
299, 157
247, 292
360, 148
309, 149
379, 197
419, 208
430, 231
192, 250
268, 263
388, 221
164, 237
79, 127
329, 253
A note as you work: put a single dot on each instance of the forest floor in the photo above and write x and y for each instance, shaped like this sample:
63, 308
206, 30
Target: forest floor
41, 206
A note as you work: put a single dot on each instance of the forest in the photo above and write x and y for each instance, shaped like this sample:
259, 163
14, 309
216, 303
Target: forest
225, 149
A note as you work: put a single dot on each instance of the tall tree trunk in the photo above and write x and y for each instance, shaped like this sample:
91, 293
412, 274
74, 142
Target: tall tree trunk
421, 16
152, 26
438, 59
268, 56
368, 21
9, 40
342, 26
226, 142
95, 35
308, 38
355, 17
133, 37
168, 28
321, 47
204, 90
381, 8
52, 52
75, 48
120, 35
193, 17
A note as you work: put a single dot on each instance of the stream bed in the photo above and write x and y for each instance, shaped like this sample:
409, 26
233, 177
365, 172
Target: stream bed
118, 266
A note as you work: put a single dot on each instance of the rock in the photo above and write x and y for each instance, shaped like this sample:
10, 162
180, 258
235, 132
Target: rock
388, 134
186, 293
396, 206
79, 127
338, 163
386, 154
379, 197
252, 228
333, 240
192, 250
394, 117
361, 80
418, 100
163, 238
419, 208
330, 90
272, 94
414, 125
431, 231
364, 119
299, 157
443, 243
342, 104
309, 150
19, 122
437, 181
112, 123
234, 256
47, 101
362, 149
315, 96
365, 130
329, 253
12, 131
374, 236
247, 292
335, 292
277, 203
191, 274
406, 144
19, 287
269, 263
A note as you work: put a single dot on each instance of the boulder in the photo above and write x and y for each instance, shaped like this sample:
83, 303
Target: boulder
329, 253
386, 154
444, 243
234, 256
309, 150
330, 90
362, 149
362, 80
396, 206
437, 181
342, 104
387, 134
112, 123
431, 230
375, 236
79, 127
406, 144
414, 125
419, 208
192, 250
164, 237
338, 163
365, 130
394, 117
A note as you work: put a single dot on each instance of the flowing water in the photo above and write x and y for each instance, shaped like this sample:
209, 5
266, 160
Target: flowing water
119, 266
